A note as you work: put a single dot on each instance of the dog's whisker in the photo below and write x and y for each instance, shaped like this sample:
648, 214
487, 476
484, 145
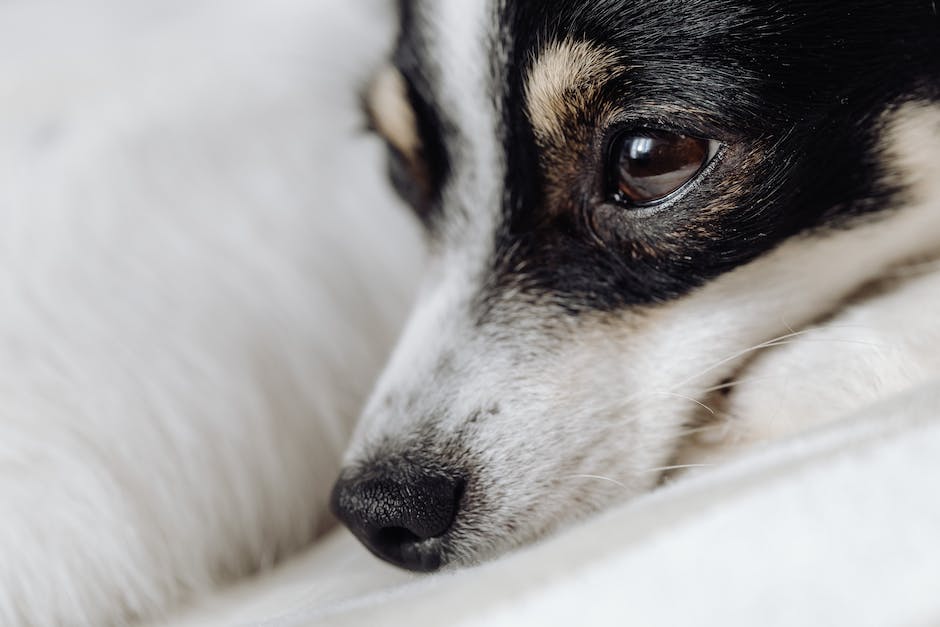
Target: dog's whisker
782, 340
737, 355
646, 395
830, 341
677, 467
690, 399
600, 478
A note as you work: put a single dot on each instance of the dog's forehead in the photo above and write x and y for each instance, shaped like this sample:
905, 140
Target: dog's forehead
513, 83
680, 49
487, 68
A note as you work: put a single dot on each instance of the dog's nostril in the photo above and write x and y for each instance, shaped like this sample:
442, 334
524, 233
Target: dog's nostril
395, 536
399, 511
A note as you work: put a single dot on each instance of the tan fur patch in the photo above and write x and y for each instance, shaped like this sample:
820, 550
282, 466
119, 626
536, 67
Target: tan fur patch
913, 151
391, 113
562, 83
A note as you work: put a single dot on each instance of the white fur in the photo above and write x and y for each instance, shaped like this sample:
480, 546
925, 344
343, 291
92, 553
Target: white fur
881, 343
871, 351
200, 274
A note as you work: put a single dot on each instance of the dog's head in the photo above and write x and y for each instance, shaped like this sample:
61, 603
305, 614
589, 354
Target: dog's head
623, 198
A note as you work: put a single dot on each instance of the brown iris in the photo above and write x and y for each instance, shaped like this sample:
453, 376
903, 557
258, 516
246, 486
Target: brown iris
649, 165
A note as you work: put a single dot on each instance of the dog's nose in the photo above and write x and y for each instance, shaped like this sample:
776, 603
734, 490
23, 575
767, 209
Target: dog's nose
399, 512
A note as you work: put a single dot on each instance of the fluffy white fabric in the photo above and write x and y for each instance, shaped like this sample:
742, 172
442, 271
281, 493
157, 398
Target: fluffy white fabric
200, 272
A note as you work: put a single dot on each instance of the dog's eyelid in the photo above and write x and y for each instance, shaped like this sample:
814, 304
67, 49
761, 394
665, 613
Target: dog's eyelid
714, 147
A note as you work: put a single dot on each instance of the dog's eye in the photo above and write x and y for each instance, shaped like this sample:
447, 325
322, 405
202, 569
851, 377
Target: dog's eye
648, 165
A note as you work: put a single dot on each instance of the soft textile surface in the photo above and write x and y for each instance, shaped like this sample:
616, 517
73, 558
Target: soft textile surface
198, 289
835, 527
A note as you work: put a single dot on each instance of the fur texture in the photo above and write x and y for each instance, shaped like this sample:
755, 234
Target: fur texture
837, 527
564, 334
201, 274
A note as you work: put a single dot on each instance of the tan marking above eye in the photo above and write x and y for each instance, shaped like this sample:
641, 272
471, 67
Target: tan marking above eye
563, 80
392, 114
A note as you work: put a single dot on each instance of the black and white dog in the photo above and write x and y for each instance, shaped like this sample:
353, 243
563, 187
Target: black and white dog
631, 207
626, 200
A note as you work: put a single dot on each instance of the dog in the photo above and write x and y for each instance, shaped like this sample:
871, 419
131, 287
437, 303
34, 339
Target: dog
204, 271
637, 209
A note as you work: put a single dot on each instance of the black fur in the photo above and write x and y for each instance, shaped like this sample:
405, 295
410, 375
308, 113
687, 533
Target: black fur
795, 90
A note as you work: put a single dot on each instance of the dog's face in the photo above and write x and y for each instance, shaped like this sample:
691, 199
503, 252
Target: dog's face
623, 199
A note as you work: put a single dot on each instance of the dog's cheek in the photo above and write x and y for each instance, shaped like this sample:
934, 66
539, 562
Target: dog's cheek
548, 462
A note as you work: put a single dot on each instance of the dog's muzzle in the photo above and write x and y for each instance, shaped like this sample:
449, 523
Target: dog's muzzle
399, 511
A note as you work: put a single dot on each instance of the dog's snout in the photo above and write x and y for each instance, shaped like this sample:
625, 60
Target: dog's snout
399, 512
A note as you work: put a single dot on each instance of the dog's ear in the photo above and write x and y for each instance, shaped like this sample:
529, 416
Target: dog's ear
400, 105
